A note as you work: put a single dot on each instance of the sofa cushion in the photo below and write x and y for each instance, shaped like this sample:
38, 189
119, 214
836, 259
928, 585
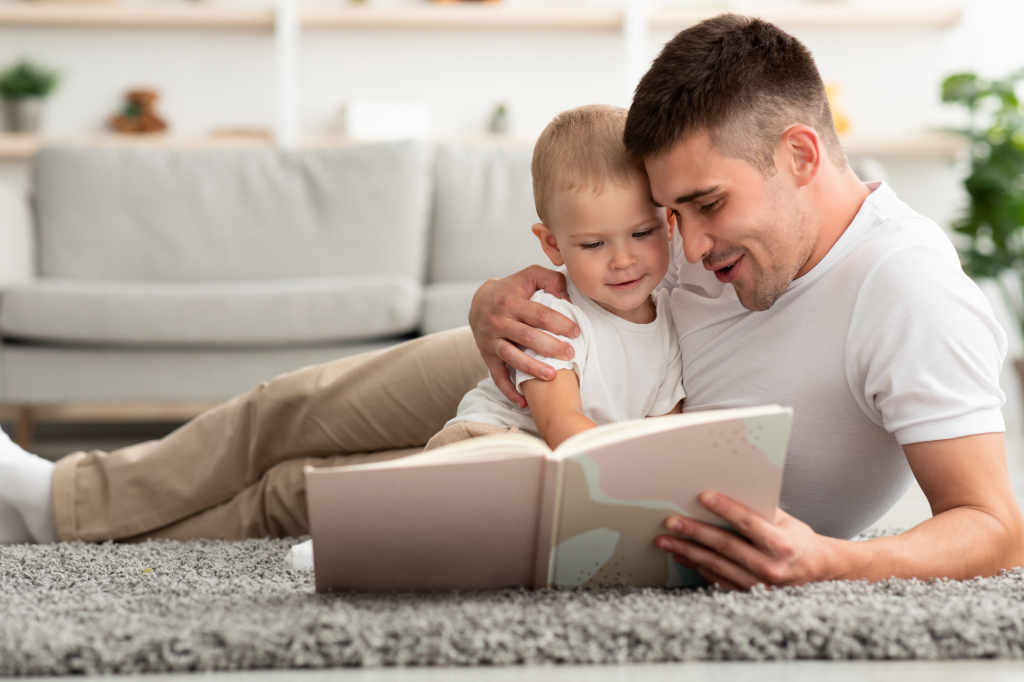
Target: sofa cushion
274, 312
483, 211
117, 213
446, 305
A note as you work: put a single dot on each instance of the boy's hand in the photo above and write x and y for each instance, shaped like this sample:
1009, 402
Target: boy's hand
502, 315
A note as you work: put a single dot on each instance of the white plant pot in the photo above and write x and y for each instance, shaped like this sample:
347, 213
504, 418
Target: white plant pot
23, 114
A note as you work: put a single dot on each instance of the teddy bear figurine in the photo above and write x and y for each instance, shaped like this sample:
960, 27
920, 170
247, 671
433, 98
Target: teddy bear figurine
139, 114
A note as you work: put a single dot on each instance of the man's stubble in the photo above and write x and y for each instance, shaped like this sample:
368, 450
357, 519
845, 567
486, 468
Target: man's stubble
786, 247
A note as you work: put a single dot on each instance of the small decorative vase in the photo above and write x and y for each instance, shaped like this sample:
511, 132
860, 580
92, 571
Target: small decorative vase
23, 114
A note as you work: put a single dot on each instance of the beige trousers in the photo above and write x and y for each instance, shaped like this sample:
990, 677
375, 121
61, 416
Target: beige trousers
235, 471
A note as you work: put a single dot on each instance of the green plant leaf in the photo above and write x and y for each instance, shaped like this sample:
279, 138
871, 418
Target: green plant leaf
27, 78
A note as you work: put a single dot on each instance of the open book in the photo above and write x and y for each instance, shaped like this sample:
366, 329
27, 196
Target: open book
505, 510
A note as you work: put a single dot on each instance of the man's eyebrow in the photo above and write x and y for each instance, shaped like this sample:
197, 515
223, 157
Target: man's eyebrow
686, 198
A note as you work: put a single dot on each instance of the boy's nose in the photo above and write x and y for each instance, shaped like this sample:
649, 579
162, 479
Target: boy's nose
623, 258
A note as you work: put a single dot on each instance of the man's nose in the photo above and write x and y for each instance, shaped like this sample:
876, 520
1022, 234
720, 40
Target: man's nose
696, 242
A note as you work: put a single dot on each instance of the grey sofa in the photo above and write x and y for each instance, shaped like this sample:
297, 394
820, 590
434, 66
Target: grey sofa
146, 275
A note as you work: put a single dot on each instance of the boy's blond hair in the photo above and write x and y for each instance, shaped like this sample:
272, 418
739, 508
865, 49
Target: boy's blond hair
582, 149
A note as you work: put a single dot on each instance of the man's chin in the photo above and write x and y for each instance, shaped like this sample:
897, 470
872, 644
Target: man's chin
757, 300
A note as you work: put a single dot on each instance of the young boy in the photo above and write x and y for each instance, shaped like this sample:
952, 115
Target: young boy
601, 228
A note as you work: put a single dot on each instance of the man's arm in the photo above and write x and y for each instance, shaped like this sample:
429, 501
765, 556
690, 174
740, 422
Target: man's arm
556, 407
977, 529
502, 315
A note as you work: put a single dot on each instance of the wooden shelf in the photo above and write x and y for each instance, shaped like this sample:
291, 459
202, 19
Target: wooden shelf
136, 16
924, 145
13, 147
461, 16
494, 16
835, 14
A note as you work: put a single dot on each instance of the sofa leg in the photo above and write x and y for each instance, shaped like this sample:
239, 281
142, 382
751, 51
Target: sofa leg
24, 428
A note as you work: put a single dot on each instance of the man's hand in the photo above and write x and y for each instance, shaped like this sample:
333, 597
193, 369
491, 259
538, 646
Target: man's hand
976, 530
786, 553
502, 315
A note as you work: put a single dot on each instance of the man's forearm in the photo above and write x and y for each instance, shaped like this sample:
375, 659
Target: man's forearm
960, 543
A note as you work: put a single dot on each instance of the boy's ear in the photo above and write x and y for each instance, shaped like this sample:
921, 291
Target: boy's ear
671, 217
548, 243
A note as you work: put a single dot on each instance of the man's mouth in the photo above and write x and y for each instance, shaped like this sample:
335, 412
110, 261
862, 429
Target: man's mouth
729, 272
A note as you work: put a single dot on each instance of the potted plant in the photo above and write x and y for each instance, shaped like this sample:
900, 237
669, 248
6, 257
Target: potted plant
994, 221
23, 87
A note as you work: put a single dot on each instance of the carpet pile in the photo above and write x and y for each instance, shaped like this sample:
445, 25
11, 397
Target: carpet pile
205, 605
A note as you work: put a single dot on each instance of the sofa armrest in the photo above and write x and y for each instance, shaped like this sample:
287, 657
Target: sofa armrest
17, 246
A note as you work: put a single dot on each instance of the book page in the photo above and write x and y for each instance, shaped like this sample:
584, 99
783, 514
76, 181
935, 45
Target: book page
635, 428
485, 448
615, 493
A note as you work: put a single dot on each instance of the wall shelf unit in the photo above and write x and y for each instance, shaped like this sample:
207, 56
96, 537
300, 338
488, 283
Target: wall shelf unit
284, 21
452, 16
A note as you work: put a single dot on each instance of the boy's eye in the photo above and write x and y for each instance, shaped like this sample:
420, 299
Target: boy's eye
643, 233
590, 246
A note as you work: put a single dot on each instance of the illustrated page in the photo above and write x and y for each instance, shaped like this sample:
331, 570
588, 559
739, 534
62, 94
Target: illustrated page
614, 499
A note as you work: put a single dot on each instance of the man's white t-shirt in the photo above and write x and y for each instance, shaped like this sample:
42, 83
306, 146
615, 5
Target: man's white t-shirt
626, 370
884, 343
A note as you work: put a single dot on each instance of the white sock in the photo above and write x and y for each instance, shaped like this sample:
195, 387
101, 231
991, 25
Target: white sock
26, 484
12, 528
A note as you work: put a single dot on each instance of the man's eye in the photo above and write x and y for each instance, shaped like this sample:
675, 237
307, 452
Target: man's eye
708, 208
590, 246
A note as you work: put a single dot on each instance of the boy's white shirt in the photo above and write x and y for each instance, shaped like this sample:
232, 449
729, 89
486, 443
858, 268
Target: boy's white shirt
626, 370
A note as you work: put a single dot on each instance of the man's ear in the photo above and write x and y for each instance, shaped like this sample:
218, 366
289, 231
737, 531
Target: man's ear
548, 243
801, 153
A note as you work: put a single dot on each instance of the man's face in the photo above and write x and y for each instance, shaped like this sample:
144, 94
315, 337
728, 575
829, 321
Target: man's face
750, 230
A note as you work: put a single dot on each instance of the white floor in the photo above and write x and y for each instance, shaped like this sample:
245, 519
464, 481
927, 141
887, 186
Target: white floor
790, 671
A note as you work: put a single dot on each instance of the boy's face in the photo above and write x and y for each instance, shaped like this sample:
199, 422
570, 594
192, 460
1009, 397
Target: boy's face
615, 245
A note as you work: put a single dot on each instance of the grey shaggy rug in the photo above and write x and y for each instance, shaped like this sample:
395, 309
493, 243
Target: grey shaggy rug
204, 605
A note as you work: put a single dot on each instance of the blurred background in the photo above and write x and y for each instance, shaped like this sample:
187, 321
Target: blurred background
298, 74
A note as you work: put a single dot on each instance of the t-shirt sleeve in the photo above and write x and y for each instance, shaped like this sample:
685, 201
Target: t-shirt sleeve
579, 344
924, 350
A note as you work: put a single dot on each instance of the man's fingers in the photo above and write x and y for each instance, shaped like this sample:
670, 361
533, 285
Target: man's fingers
502, 379
721, 541
749, 524
709, 563
527, 336
539, 316
550, 281
512, 356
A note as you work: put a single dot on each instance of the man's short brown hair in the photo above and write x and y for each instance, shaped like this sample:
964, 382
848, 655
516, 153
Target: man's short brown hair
743, 80
582, 149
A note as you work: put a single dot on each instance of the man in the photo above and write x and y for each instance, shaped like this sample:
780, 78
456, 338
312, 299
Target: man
799, 285
816, 291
